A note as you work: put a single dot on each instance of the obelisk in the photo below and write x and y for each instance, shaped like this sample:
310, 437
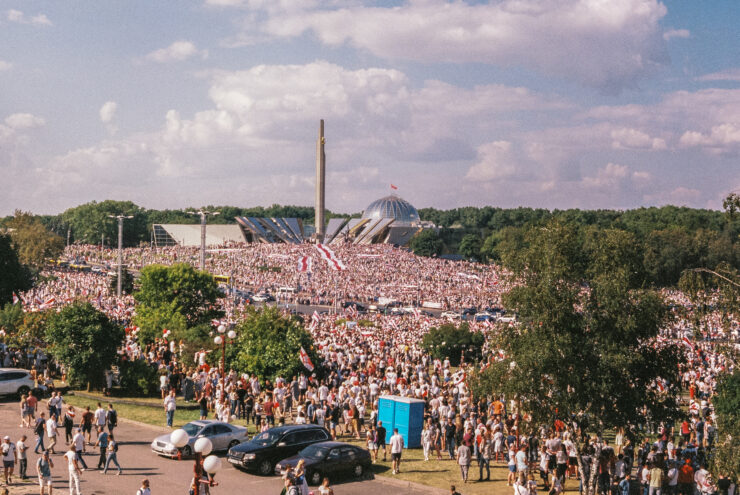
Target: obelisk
320, 185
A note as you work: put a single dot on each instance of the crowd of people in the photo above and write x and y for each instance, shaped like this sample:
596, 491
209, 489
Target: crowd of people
384, 357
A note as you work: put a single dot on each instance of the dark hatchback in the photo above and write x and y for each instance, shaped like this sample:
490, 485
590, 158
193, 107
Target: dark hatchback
330, 459
262, 452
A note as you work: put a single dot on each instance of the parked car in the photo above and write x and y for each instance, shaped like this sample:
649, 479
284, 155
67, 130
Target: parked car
261, 453
15, 381
330, 459
263, 297
223, 436
450, 315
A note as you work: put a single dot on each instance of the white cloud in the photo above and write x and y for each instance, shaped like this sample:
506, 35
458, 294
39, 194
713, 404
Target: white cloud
176, 52
725, 75
19, 17
608, 45
108, 111
5, 65
625, 138
676, 33
721, 138
20, 121
495, 162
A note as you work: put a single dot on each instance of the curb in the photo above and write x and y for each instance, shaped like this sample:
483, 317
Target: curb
411, 485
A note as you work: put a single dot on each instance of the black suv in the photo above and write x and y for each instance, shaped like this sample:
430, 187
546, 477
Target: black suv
262, 452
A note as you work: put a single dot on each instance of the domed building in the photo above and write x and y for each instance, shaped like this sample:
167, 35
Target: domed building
393, 207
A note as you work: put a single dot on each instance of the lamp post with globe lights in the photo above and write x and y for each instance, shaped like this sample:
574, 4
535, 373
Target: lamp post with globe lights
202, 447
221, 340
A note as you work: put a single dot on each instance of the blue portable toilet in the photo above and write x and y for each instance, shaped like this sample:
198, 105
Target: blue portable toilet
386, 414
403, 413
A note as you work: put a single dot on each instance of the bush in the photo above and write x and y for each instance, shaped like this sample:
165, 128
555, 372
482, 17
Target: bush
449, 341
138, 378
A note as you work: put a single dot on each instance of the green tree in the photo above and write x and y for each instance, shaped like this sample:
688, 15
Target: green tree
15, 277
127, 282
426, 243
268, 345
181, 288
152, 320
725, 460
34, 242
91, 221
470, 246
449, 341
576, 352
85, 341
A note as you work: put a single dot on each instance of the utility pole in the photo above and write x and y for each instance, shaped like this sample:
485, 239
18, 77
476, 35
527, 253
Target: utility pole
120, 249
203, 215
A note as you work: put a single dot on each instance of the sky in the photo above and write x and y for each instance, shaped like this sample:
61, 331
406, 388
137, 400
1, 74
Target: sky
542, 103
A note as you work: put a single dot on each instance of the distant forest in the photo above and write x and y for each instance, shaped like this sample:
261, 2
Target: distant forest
671, 238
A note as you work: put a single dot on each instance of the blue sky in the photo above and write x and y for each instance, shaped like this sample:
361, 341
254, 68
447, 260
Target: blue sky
546, 103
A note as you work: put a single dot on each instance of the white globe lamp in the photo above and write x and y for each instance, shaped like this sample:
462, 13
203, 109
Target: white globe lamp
221, 329
218, 340
231, 334
179, 438
203, 446
212, 464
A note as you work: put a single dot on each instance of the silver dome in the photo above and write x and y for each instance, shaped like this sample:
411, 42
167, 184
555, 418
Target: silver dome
394, 207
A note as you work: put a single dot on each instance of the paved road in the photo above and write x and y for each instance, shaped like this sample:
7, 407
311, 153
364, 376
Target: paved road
167, 476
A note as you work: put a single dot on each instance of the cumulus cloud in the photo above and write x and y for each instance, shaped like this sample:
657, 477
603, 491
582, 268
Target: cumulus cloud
5, 65
20, 18
626, 138
176, 52
495, 162
608, 45
722, 138
108, 111
676, 33
20, 121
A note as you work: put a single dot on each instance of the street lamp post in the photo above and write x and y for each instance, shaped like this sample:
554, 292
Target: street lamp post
120, 248
202, 447
203, 215
221, 340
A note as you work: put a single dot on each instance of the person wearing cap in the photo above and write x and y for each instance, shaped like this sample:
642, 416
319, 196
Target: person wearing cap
43, 468
9, 459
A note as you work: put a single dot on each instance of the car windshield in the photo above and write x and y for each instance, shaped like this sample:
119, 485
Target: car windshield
315, 452
266, 438
192, 429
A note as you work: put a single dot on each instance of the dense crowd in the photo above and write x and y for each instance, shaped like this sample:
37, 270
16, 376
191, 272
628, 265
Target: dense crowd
362, 364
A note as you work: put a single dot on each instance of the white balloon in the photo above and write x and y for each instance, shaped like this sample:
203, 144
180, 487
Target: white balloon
218, 340
221, 329
212, 464
203, 445
232, 334
179, 438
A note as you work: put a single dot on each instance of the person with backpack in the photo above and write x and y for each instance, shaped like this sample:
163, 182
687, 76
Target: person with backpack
144, 490
43, 468
38, 430
112, 456
111, 418
102, 443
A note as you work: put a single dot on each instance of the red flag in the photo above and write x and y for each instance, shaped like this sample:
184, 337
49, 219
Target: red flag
688, 343
306, 360
393, 187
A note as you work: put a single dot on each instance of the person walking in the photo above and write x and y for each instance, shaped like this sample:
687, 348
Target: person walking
21, 448
169, 407
69, 423
144, 489
39, 430
74, 470
463, 460
485, 452
112, 418
43, 469
78, 444
9, 459
112, 456
101, 417
325, 489
51, 432
396, 450
102, 443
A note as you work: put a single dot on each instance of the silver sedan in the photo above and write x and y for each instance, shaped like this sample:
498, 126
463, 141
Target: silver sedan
223, 436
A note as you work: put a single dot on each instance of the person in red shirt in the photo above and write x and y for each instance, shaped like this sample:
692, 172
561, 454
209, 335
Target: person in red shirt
686, 479
267, 407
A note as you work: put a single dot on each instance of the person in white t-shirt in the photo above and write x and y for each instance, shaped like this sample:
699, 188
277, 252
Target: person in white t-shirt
396, 442
144, 489
74, 470
9, 459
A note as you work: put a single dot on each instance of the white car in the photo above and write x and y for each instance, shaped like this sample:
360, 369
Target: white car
451, 315
15, 381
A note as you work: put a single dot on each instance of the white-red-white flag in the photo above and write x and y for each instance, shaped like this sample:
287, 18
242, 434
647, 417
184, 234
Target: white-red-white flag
306, 360
330, 258
48, 303
688, 343
16, 299
304, 264
315, 320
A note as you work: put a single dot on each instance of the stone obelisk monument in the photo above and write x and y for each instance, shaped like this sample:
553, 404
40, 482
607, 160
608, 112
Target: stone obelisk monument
320, 185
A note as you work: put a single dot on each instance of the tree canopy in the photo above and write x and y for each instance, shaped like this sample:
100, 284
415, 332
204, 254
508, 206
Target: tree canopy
426, 243
34, 242
85, 341
450, 341
15, 276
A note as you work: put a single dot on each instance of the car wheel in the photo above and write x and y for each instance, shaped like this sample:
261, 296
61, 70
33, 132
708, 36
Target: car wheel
314, 478
187, 451
233, 443
358, 470
265, 468
23, 390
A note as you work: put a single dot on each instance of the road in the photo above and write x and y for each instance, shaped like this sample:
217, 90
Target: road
166, 476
